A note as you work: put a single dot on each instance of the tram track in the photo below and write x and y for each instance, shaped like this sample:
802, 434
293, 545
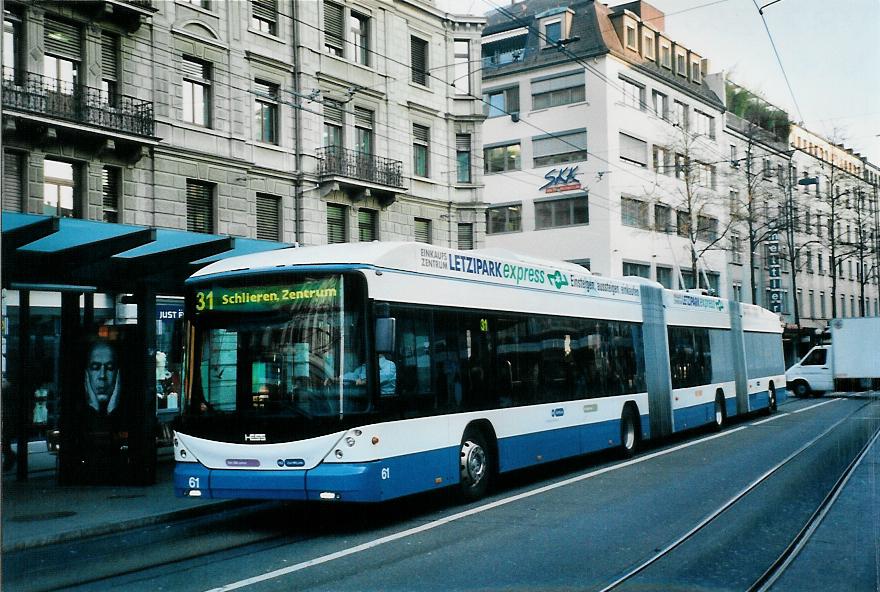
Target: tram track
784, 559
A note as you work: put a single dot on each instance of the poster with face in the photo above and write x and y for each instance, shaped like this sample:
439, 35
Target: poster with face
103, 379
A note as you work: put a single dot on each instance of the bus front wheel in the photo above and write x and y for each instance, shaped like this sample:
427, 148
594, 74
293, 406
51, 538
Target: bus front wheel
476, 465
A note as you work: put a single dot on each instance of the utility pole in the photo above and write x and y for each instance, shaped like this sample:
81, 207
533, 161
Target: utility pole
792, 247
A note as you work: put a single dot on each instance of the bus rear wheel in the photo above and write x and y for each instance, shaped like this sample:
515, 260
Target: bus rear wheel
771, 403
475, 462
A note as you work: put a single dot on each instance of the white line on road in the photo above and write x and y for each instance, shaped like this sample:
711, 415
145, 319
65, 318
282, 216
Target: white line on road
816, 405
474, 511
777, 416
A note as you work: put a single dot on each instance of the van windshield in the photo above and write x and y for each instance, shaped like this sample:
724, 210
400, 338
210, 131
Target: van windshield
815, 358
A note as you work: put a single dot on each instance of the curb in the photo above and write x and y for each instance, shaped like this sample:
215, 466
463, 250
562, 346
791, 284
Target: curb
112, 528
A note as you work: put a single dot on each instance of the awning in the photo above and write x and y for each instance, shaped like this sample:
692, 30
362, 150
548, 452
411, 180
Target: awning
49, 251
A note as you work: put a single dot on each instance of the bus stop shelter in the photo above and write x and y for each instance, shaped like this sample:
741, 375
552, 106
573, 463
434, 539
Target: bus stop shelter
78, 259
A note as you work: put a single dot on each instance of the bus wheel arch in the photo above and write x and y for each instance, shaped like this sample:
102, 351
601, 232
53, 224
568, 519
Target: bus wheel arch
478, 460
630, 429
720, 415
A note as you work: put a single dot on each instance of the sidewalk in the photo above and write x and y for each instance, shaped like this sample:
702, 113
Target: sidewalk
40, 512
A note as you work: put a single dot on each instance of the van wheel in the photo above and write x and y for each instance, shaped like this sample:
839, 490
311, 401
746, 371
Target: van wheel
629, 433
800, 389
476, 465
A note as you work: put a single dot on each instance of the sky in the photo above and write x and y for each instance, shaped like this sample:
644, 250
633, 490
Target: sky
830, 50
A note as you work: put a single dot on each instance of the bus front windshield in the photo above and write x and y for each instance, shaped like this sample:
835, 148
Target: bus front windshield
292, 348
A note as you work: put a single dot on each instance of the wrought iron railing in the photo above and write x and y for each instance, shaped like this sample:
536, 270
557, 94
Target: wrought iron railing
501, 59
34, 93
335, 160
140, 3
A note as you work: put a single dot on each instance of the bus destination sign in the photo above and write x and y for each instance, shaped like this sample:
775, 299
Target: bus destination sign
261, 298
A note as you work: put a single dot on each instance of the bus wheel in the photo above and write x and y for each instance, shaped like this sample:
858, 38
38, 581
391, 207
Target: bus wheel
629, 434
475, 464
771, 404
719, 412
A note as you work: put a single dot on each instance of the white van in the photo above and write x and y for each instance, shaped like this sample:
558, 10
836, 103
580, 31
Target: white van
813, 374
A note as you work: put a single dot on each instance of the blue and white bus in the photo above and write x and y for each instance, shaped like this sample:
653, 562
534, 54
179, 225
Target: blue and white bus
365, 372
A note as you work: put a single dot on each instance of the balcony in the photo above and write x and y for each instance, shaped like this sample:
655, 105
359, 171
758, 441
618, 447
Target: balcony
45, 97
335, 161
505, 58
129, 14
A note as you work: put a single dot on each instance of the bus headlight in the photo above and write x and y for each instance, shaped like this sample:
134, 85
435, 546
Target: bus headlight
181, 454
350, 441
338, 453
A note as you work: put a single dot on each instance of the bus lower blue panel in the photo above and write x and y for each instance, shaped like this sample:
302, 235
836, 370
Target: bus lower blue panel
289, 485
730, 406
759, 400
691, 417
385, 479
189, 476
781, 395
530, 449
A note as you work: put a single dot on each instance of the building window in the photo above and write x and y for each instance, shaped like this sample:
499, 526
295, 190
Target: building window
502, 158
695, 71
705, 175
465, 236
633, 150
632, 41
363, 130
110, 185
334, 29
561, 147
663, 218
737, 292
503, 101
648, 44
661, 160
337, 218
665, 54
421, 144
504, 219
419, 60
422, 230
333, 118
660, 103
266, 112
707, 228
63, 47
681, 114
680, 166
822, 309
553, 32
268, 217
463, 158
683, 223
735, 248
636, 270
462, 69
200, 3
109, 68
13, 181
264, 16
734, 161
11, 45
634, 212
705, 124
199, 206
59, 188
681, 67
812, 304
633, 94
360, 34
196, 92
664, 276
559, 90
561, 212
367, 225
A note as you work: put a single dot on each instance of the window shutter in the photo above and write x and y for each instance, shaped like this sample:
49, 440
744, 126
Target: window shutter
421, 133
199, 207
463, 142
363, 117
567, 81
264, 9
333, 112
465, 236
196, 69
366, 226
63, 39
334, 24
559, 144
109, 63
335, 223
422, 230
419, 60
512, 96
12, 182
268, 217
110, 193
633, 149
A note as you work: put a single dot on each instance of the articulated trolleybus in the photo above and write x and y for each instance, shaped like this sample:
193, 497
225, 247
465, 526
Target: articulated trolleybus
365, 372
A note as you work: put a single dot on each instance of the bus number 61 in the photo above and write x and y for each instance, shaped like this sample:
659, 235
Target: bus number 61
386, 473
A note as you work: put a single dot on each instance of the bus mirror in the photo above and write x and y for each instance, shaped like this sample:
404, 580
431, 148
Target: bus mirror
385, 334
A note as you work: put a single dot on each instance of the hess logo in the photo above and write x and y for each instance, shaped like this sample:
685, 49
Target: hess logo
255, 437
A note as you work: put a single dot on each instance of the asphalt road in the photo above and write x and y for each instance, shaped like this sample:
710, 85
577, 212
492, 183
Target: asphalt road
579, 525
